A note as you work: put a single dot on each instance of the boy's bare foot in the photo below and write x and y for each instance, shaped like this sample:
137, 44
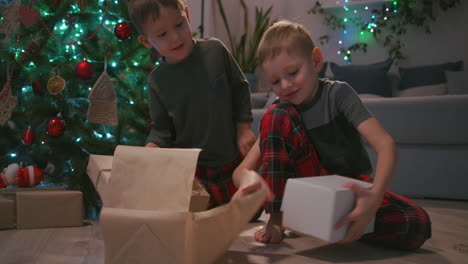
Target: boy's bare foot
272, 232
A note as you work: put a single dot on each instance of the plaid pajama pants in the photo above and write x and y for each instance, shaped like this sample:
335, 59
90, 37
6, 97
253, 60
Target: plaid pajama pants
218, 182
287, 153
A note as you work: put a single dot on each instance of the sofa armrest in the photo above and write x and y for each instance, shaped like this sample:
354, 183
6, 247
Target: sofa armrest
423, 120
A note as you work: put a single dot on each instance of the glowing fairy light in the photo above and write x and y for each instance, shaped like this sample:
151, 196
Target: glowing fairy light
97, 134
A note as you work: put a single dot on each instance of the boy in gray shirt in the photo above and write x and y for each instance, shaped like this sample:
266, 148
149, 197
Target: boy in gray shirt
198, 96
315, 129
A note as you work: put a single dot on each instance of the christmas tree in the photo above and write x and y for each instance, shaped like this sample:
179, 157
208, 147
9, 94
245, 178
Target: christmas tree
73, 79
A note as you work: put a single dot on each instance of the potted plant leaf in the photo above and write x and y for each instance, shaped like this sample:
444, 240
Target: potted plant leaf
244, 48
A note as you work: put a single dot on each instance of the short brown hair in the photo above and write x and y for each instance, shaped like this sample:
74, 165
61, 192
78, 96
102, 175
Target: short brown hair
142, 10
287, 36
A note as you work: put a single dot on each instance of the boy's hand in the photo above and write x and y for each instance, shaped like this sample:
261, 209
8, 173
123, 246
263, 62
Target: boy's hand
252, 182
151, 145
367, 204
245, 138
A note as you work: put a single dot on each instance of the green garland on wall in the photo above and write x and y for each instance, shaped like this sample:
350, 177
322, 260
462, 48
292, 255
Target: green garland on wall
388, 24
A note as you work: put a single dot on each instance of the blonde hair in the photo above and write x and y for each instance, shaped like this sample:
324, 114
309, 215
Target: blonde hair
142, 10
284, 36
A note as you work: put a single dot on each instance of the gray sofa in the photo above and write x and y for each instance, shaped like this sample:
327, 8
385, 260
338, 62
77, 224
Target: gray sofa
431, 133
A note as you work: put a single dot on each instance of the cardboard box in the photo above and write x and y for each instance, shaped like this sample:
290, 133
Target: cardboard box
10, 191
44, 209
100, 169
199, 199
7, 213
145, 216
313, 205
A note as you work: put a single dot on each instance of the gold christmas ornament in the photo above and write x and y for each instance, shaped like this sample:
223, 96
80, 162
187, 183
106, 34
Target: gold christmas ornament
56, 84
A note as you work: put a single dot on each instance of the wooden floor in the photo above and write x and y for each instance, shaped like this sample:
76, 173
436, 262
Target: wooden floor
84, 245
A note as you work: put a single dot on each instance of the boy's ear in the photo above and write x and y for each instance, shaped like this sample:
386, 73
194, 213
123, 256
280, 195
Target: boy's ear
317, 58
144, 40
187, 13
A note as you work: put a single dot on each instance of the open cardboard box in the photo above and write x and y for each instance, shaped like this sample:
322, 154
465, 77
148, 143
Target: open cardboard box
313, 205
100, 168
145, 216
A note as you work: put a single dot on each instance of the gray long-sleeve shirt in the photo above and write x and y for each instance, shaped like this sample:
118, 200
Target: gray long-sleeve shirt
197, 103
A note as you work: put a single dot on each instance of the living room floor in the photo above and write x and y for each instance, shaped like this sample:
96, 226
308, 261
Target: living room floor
84, 245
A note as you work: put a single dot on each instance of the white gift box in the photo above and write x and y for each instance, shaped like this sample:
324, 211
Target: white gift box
314, 205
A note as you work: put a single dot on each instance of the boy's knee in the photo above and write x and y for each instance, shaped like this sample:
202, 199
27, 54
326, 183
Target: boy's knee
409, 234
282, 109
416, 235
413, 238
279, 115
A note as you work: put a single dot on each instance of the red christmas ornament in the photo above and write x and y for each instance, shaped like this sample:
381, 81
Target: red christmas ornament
28, 137
123, 30
55, 126
3, 181
84, 70
9, 175
37, 88
29, 176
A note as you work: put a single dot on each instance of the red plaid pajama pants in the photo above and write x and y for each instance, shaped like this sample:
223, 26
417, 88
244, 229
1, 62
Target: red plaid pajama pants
218, 182
287, 153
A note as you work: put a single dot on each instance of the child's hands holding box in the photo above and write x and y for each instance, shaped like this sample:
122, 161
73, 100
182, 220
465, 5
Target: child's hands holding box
314, 205
367, 204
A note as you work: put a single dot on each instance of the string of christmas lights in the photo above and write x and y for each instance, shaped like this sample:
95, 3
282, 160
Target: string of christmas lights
360, 23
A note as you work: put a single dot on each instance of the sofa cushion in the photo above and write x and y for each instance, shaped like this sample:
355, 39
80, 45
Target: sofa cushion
258, 99
426, 90
457, 82
367, 95
427, 74
271, 98
422, 119
371, 78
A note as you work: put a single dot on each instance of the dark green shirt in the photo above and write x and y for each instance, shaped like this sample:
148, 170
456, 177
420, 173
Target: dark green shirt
331, 120
198, 102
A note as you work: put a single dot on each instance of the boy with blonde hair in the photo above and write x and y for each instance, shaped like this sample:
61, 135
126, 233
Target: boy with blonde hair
314, 129
198, 96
